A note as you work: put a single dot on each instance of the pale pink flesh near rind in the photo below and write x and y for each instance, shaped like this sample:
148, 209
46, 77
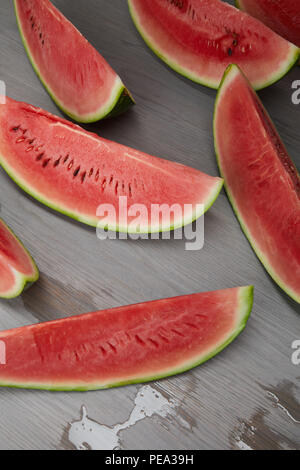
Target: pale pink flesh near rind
74, 171
77, 77
17, 268
131, 344
173, 31
262, 182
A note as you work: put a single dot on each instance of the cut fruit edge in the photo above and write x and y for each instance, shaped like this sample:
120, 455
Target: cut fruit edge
22, 281
234, 69
243, 312
201, 208
287, 65
238, 5
120, 99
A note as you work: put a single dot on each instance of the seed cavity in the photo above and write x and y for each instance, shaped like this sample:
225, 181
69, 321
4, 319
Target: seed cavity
191, 325
103, 186
178, 333
112, 347
155, 343
57, 162
70, 165
45, 163
83, 175
76, 171
139, 340
164, 339
40, 156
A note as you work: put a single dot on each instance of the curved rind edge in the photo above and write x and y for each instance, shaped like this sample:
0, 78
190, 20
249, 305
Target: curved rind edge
121, 99
258, 253
286, 67
22, 282
96, 223
244, 309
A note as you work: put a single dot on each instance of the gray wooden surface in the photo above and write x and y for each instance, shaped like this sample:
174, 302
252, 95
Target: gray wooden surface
246, 397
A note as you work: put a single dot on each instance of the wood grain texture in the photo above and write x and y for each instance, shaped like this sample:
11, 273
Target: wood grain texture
229, 402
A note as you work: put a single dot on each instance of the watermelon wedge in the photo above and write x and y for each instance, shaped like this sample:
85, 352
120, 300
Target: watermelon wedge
131, 344
74, 172
281, 16
200, 38
262, 182
17, 268
77, 77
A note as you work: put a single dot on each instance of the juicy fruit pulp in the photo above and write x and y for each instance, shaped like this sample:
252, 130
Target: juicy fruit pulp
74, 171
200, 38
125, 345
17, 268
261, 180
77, 77
281, 16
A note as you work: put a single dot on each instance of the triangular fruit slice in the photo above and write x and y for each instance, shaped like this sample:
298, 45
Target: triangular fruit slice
262, 182
17, 268
200, 38
95, 181
131, 344
77, 77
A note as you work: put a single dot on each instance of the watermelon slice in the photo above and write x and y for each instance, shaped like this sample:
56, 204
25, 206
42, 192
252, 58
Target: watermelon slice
125, 345
262, 182
281, 16
74, 171
17, 268
200, 38
77, 77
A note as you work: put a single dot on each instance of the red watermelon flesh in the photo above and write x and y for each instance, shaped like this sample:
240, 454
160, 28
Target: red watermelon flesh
17, 268
283, 16
125, 345
74, 171
77, 77
262, 182
200, 38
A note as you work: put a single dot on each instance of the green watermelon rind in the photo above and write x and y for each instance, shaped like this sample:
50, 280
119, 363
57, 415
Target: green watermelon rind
286, 67
121, 98
252, 243
246, 297
94, 222
22, 282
